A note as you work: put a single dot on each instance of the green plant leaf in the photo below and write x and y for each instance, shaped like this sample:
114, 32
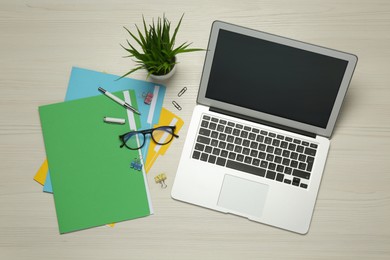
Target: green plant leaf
158, 52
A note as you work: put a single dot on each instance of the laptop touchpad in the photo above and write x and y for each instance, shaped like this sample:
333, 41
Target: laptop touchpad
242, 196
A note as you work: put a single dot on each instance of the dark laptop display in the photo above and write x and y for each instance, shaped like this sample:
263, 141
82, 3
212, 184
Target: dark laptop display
275, 79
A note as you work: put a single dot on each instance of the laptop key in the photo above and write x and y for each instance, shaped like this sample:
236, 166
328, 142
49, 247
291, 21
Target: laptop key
244, 134
224, 153
232, 155
248, 160
204, 157
256, 162
205, 132
271, 175
216, 151
310, 151
236, 132
214, 134
203, 139
246, 168
221, 161
240, 157
199, 147
208, 149
310, 161
301, 174
196, 155
280, 177
212, 159
296, 181
228, 130
230, 139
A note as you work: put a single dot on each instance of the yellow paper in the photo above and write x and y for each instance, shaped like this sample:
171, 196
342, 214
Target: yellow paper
40, 176
155, 150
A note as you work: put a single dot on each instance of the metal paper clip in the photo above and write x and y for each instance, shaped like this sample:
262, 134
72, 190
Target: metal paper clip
181, 92
176, 105
161, 179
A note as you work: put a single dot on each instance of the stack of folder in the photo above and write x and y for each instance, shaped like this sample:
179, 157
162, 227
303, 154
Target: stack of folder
90, 176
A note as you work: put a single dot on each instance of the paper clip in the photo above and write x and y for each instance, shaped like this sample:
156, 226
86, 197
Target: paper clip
181, 92
176, 105
136, 164
161, 179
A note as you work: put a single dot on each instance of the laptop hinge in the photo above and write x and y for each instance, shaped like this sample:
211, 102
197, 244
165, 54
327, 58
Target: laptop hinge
256, 120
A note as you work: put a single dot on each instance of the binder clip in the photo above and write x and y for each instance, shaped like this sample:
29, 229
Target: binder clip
161, 179
148, 97
136, 164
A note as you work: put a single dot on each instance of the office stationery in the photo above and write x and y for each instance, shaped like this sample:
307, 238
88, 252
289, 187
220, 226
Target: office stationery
113, 120
118, 100
93, 183
160, 135
40, 176
47, 187
176, 105
266, 108
182, 91
155, 150
161, 179
84, 83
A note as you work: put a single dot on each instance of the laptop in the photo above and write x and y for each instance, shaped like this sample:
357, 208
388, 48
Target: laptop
260, 133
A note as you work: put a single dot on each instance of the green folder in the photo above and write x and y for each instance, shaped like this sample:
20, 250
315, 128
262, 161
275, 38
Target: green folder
93, 181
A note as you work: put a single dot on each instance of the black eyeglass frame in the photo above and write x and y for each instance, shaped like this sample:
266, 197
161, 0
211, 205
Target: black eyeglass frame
149, 131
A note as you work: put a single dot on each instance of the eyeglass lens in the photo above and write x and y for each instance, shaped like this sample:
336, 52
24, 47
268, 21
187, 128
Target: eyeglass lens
162, 135
132, 142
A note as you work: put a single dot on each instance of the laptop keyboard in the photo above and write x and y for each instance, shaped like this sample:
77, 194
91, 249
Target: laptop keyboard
256, 151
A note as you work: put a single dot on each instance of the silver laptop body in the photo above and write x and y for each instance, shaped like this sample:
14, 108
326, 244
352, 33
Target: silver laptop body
259, 135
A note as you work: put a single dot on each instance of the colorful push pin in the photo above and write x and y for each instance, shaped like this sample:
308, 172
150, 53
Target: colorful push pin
136, 164
161, 179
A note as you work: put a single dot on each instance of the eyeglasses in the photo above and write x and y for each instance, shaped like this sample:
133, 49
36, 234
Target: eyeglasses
136, 139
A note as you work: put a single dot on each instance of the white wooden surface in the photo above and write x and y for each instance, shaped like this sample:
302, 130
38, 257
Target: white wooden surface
41, 40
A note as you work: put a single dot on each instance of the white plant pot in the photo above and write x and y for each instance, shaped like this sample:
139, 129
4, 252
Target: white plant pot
166, 76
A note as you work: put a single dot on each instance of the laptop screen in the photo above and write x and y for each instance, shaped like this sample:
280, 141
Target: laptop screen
276, 79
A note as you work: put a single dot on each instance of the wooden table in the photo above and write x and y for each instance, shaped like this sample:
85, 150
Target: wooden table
41, 41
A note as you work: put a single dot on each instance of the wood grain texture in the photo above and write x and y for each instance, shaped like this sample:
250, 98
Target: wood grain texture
41, 40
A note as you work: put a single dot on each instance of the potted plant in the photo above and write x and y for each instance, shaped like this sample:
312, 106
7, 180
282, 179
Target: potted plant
158, 55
